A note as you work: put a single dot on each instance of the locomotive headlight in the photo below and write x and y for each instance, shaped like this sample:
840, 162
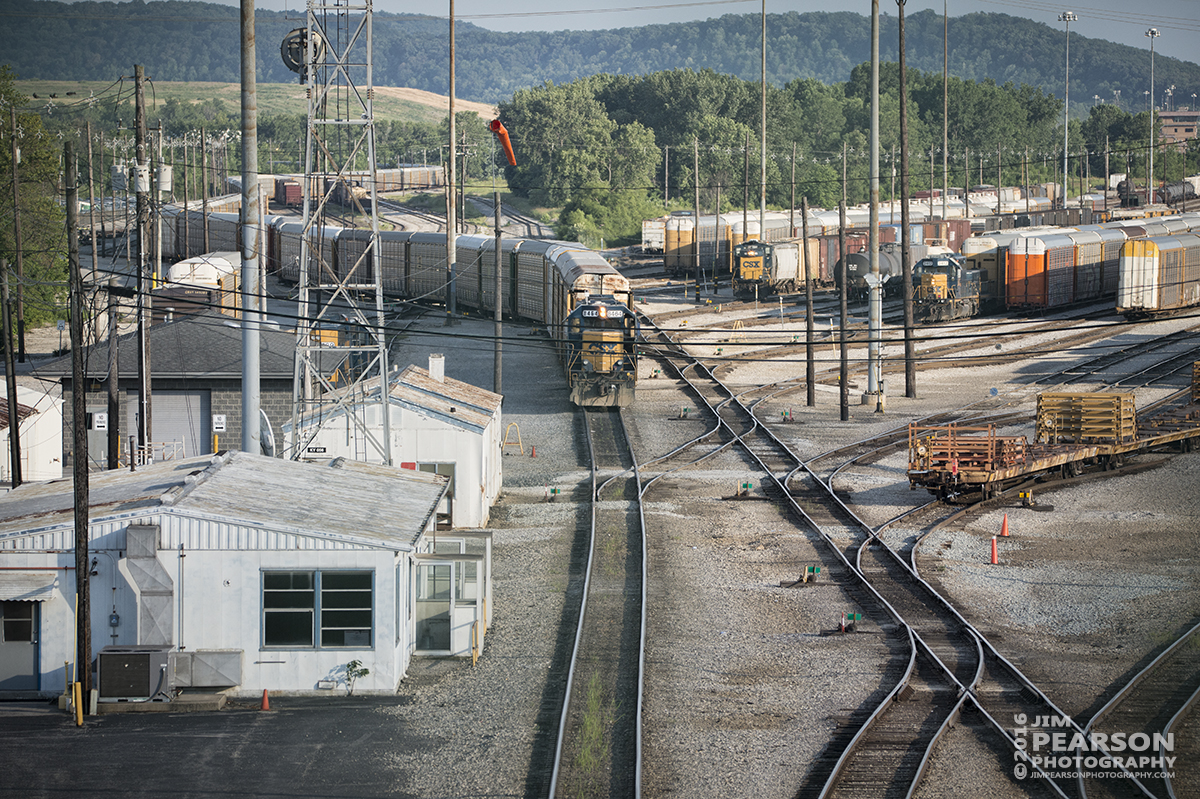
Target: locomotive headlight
603, 312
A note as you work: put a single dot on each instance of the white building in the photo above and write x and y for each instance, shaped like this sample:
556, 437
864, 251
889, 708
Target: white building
41, 431
438, 424
241, 573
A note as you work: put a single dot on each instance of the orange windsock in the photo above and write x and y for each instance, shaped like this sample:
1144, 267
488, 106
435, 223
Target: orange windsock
498, 128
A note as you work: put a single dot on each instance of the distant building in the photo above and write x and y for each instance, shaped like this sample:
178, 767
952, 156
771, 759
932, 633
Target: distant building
195, 382
1178, 127
238, 573
41, 433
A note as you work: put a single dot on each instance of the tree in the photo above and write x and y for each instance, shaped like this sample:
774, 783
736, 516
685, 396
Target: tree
43, 243
563, 139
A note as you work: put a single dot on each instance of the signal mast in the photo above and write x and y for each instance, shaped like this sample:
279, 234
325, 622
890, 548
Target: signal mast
341, 348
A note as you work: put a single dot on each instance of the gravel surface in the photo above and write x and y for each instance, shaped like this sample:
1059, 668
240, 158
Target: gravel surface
744, 683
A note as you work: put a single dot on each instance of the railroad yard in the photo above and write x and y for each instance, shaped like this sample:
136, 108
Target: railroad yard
750, 687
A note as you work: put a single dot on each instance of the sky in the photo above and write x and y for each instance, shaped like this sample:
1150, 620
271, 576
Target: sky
1178, 21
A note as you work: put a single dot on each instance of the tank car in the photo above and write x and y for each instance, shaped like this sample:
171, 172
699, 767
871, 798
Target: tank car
891, 267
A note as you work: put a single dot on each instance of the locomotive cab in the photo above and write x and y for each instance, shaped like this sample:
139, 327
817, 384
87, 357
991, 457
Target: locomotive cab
944, 290
752, 261
602, 352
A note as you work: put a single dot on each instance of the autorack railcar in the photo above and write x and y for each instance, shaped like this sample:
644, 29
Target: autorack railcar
1159, 275
541, 281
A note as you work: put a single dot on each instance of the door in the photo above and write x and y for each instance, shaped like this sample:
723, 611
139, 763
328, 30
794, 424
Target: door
181, 419
434, 601
18, 646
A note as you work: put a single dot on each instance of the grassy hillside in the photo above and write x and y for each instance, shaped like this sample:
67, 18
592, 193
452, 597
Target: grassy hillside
391, 103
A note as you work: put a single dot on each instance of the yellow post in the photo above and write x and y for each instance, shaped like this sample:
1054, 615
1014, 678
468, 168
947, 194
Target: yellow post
76, 691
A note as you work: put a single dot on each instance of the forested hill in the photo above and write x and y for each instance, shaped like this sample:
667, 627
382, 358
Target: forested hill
190, 41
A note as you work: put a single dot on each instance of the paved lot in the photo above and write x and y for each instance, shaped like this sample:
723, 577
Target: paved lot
324, 748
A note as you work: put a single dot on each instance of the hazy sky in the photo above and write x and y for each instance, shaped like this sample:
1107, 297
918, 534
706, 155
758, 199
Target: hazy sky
1178, 21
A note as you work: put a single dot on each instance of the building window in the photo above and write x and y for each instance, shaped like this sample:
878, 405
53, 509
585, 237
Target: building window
17, 626
333, 608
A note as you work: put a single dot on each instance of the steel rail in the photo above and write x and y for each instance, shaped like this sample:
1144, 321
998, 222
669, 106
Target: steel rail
1134, 682
1010, 667
596, 488
1180, 714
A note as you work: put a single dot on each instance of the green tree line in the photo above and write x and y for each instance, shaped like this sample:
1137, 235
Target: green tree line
193, 41
606, 144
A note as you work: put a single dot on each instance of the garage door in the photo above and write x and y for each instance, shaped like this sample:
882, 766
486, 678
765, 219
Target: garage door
182, 416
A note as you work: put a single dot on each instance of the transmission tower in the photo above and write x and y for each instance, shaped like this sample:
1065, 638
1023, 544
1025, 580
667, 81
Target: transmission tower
341, 351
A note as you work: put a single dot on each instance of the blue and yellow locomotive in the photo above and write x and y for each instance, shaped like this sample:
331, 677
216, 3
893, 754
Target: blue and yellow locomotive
601, 351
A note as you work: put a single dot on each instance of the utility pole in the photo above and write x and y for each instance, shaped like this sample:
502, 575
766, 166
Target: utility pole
498, 324
762, 197
945, 105
696, 214
746, 190
874, 279
16, 181
844, 368
451, 242
792, 203
114, 389
141, 187
251, 225
810, 368
79, 463
10, 373
204, 185
158, 176
910, 361
92, 206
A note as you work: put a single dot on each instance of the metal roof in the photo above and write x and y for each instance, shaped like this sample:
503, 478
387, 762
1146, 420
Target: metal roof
452, 401
343, 500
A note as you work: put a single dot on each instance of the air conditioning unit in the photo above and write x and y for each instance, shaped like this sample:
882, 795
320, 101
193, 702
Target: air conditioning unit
135, 673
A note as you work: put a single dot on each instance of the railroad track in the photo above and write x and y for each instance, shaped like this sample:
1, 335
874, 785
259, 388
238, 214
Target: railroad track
1153, 703
402, 214
951, 664
599, 741
528, 227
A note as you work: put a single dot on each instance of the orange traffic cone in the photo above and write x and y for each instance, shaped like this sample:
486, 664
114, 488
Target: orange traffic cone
533, 452
995, 560
266, 704
1004, 526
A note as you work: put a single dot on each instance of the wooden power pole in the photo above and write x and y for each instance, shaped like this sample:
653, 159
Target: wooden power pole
79, 463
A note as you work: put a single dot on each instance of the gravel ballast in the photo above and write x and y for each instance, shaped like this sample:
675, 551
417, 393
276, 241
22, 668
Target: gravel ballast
744, 684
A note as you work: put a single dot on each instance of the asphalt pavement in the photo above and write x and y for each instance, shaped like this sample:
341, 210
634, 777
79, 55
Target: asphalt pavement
310, 747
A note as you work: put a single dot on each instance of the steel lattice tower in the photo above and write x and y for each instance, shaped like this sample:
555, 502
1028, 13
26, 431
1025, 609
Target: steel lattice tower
341, 362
